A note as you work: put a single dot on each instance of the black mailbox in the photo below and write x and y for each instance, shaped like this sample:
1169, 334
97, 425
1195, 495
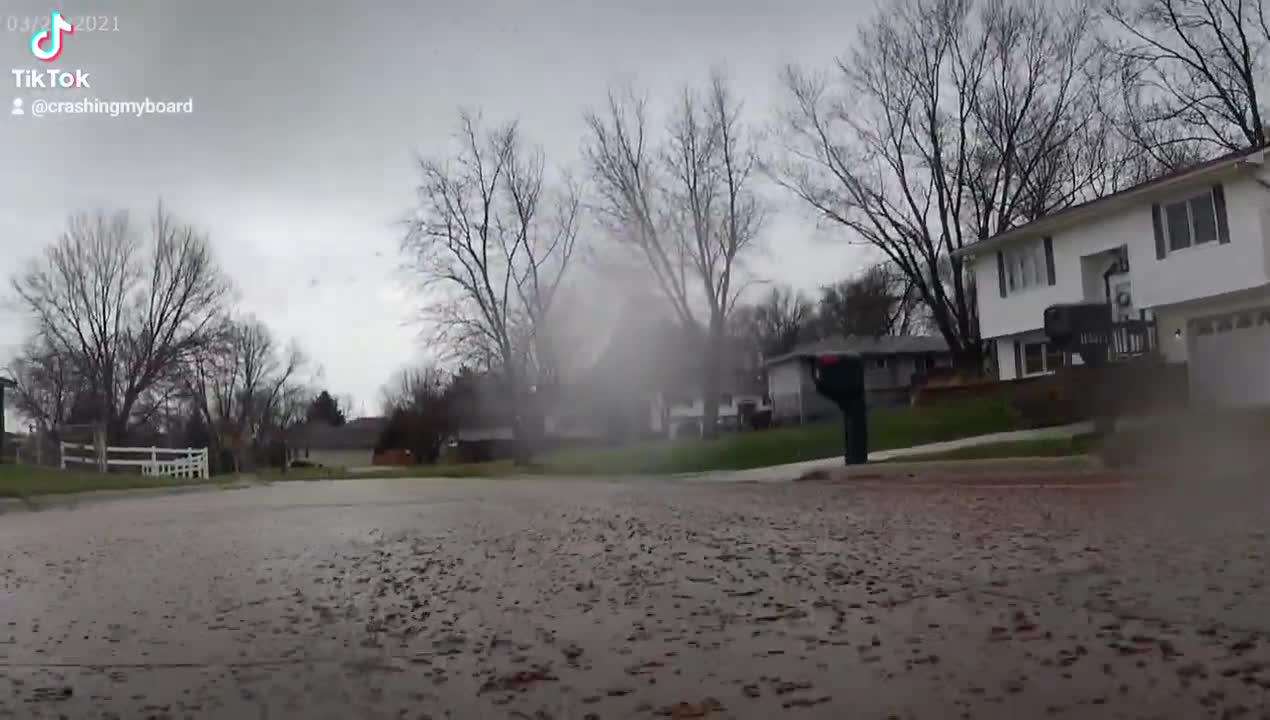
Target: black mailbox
840, 377
1078, 327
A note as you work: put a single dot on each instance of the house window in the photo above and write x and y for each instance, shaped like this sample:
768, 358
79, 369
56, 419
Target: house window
1033, 358
879, 363
1041, 358
1025, 267
1191, 222
1054, 358
725, 399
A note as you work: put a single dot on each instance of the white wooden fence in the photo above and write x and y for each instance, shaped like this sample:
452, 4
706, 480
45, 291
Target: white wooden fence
162, 462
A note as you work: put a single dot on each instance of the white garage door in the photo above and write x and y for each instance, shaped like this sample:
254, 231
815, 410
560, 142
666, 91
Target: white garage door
1230, 358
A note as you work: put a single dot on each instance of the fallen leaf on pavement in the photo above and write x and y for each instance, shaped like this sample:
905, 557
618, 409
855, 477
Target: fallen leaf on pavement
644, 667
789, 687
517, 680
805, 702
684, 710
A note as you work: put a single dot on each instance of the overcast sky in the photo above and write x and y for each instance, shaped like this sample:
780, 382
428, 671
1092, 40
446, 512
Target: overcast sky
298, 158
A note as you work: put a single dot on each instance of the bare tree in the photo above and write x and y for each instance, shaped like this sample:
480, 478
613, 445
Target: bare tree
776, 323
290, 411
158, 412
949, 125
49, 389
495, 240
684, 202
1189, 72
292, 406
417, 402
237, 384
123, 312
413, 387
879, 301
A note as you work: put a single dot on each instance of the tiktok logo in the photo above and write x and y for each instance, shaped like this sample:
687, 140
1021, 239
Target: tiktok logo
46, 45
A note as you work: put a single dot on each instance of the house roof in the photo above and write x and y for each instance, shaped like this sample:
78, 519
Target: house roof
866, 345
1108, 203
359, 434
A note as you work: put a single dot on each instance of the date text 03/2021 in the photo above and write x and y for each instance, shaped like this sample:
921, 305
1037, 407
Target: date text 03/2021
81, 23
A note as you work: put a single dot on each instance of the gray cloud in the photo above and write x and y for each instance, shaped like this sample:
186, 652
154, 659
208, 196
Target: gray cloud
298, 157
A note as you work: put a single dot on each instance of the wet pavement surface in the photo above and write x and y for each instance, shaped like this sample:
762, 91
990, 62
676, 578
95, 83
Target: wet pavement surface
590, 599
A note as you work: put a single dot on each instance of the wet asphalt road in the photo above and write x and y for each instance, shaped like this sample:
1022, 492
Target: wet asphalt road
589, 599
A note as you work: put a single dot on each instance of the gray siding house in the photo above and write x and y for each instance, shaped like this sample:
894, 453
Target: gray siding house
351, 445
891, 364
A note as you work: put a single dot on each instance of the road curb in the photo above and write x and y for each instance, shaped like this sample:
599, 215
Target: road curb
69, 501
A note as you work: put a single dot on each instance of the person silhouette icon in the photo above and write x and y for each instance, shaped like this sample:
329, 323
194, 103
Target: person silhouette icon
17, 107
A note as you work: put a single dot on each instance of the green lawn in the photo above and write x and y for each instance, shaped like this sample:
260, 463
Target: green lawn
28, 480
1050, 447
888, 428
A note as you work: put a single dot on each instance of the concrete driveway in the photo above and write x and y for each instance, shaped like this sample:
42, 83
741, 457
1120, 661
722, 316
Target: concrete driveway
584, 598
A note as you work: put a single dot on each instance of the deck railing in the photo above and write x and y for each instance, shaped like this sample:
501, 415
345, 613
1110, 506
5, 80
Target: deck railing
1122, 340
1133, 338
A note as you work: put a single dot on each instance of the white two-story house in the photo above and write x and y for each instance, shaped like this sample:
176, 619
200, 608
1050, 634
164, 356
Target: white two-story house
1188, 252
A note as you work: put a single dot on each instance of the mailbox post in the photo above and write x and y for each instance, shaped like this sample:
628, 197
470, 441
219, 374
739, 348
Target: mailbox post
1085, 329
840, 377
1082, 328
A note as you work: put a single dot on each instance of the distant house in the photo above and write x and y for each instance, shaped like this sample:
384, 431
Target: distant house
482, 419
892, 363
349, 445
480, 444
643, 380
617, 375
680, 409
635, 375
685, 415
5, 450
